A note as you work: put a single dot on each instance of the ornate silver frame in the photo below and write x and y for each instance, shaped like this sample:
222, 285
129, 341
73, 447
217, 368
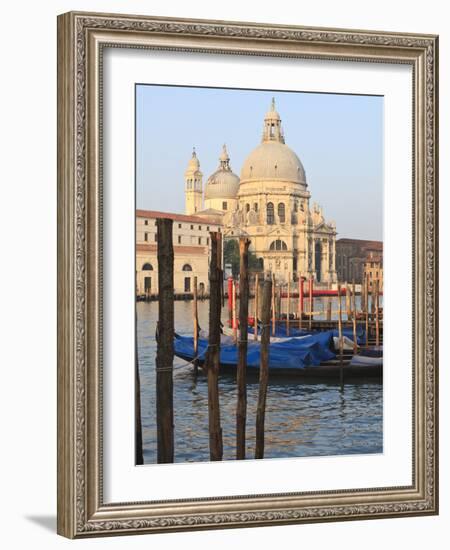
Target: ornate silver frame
81, 37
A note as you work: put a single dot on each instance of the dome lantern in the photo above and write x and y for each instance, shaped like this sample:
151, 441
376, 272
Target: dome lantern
273, 160
272, 125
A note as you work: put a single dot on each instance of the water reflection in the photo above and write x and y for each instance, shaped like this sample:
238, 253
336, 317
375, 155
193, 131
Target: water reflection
302, 419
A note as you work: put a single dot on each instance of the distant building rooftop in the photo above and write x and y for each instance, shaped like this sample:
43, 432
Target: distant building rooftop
362, 242
198, 250
170, 215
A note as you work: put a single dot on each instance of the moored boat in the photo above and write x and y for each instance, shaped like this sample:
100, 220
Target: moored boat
308, 356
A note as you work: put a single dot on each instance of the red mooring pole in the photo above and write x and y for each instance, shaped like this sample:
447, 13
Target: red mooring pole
230, 301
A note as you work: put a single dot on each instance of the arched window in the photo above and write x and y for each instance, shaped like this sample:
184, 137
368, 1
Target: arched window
147, 267
270, 214
278, 245
281, 212
247, 207
187, 267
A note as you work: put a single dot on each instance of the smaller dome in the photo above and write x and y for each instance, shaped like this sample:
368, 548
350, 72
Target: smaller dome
223, 183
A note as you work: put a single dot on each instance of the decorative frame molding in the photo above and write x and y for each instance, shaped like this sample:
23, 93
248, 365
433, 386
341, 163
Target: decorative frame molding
81, 37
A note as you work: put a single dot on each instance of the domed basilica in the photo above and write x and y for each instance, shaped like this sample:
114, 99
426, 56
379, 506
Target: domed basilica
270, 205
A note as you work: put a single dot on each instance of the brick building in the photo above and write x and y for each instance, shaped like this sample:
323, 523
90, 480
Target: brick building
351, 256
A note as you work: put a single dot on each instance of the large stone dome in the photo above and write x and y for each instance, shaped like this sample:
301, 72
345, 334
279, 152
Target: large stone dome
223, 183
273, 160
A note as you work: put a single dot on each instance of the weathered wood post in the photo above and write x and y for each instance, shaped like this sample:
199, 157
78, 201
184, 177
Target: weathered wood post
300, 301
377, 312
329, 302
288, 307
366, 306
347, 301
230, 302
278, 306
363, 294
372, 300
273, 306
234, 313
164, 352
355, 343
263, 369
241, 375
139, 452
341, 341
310, 302
329, 309
195, 322
255, 336
212, 360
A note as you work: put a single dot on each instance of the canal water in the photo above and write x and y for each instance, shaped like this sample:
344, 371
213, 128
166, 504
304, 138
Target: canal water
302, 419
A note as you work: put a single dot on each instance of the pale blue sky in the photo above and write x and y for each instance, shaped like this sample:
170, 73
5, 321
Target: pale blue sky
339, 139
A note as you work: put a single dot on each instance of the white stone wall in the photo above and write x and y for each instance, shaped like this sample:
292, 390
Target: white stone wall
187, 233
301, 228
191, 240
198, 262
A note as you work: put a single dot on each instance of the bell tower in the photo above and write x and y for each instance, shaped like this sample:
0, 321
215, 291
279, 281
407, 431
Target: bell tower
193, 188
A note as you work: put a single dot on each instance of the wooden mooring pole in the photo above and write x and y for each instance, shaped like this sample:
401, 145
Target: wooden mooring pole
279, 299
273, 306
234, 321
230, 301
165, 336
341, 341
195, 321
329, 304
263, 368
241, 374
363, 295
138, 445
355, 343
347, 301
372, 299
255, 335
377, 312
288, 307
366, 306
212, 360
300, 302
310, 302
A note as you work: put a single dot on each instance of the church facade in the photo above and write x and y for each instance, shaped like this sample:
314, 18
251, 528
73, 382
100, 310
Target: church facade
270, 204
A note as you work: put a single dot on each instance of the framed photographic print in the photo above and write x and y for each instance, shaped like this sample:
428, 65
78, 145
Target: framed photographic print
247, 284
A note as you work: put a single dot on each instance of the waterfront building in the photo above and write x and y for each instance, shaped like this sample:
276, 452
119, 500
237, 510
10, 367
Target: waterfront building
351, 256
191, 243
373, 270
270, 205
